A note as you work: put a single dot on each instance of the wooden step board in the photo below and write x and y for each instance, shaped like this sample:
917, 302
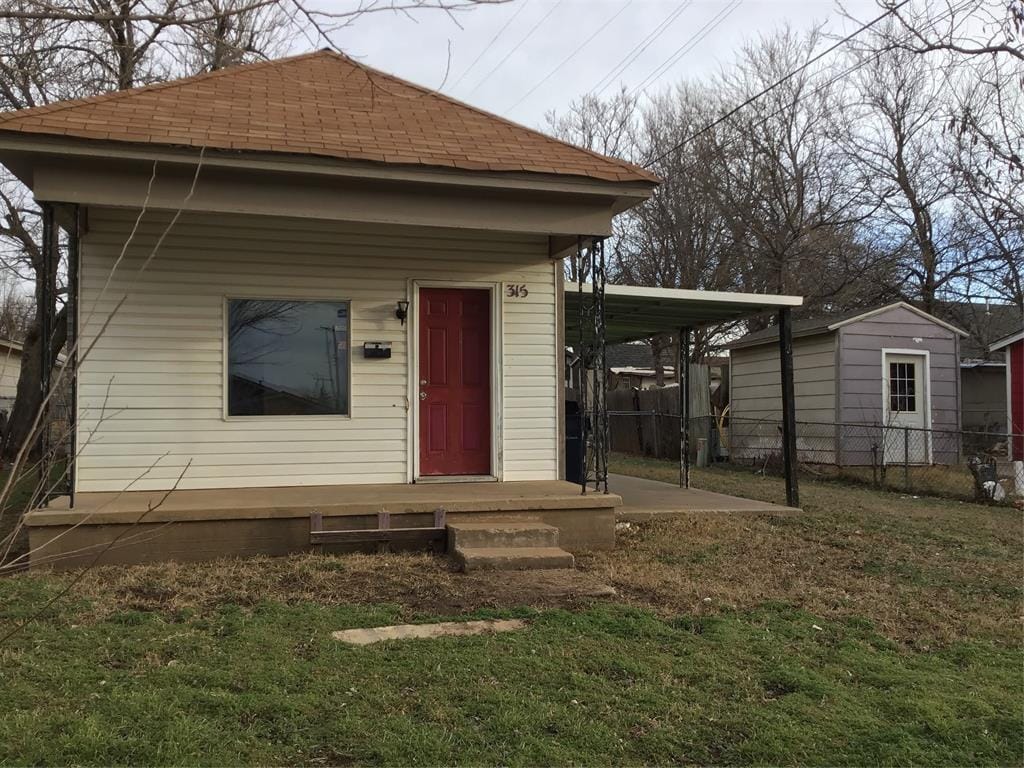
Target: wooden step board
384, 535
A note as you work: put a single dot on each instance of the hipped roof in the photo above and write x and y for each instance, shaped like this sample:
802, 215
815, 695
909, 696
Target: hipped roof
318, 104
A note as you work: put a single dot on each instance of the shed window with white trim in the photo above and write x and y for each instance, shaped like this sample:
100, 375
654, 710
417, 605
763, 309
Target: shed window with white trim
287, 357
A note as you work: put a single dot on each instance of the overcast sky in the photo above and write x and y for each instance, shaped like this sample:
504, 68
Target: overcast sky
530, 67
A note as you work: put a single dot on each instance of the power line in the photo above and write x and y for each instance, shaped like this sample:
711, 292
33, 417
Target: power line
780, 81
831, 81
695, 39
515, 48
626, 61
572, 55
489, 45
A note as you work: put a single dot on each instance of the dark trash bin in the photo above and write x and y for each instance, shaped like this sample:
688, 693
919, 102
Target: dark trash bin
573, 441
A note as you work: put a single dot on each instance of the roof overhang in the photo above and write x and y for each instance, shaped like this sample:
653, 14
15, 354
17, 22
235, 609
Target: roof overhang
633, 313
972, 364
53, 167
1007, 341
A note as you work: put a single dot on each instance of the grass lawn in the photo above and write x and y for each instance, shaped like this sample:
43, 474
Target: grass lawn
872, 629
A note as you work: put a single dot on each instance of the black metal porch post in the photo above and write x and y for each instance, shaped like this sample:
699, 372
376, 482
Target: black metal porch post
48, 258
788, 407
71, 364
581, 355
683, 379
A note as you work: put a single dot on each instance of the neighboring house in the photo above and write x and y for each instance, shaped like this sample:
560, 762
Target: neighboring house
872, 371
1012, 349
631, 365
364, 286
982, 372
10, 370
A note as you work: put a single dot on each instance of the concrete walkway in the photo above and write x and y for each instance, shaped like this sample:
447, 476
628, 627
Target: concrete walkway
649, 499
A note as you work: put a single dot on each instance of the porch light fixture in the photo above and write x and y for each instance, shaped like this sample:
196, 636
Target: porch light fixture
402, 311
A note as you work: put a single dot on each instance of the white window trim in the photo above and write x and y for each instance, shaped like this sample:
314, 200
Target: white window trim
226, 352
496, 291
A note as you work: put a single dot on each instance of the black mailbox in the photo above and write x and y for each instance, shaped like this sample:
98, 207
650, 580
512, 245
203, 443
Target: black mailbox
380, 350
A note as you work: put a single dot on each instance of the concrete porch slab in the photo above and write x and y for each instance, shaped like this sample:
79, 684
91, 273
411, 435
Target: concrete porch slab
644, 499
329, 500
194, 525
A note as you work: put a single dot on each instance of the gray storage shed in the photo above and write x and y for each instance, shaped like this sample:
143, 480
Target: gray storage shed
869, 385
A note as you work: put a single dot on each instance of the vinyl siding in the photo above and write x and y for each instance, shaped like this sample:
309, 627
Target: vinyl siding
860, 390
151, 390
10, 370
755, 397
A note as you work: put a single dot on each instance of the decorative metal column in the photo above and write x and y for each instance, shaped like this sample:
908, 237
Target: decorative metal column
593, 380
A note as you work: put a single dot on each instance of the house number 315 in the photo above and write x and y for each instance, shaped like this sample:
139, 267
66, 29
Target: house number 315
517, 291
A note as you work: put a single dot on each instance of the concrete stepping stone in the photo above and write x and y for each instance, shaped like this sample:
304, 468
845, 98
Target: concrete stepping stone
372, 635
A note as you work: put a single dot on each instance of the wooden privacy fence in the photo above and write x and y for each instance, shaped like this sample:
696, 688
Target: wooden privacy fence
646, 421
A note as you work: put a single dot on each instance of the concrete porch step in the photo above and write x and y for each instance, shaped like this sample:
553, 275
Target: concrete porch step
512, 558
493, 534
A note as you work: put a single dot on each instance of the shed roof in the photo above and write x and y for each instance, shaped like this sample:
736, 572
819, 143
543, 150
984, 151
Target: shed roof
633, 312
1007, 340
318, 104
814, 326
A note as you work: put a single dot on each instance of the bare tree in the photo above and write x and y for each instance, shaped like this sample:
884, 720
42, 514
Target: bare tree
941, 140
987, 126
783, 185
974, 28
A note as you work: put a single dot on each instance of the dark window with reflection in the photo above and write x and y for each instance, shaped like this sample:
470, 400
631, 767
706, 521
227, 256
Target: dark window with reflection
287, 358
902, 387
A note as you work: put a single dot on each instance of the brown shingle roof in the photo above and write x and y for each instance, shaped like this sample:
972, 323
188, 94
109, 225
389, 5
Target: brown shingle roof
321, 104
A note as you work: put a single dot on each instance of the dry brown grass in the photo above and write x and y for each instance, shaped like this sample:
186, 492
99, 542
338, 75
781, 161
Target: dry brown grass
420, 584
924, 571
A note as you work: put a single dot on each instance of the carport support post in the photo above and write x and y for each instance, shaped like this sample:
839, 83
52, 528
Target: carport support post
788, 407
683, 379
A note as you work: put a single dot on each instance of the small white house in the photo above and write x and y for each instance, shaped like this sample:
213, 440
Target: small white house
307, 274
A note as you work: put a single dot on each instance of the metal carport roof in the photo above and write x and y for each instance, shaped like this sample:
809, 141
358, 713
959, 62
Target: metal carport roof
633, 313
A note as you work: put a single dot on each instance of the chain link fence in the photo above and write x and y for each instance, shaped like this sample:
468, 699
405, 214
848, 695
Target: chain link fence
948, 463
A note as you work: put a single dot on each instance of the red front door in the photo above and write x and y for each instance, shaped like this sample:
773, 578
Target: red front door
455, 382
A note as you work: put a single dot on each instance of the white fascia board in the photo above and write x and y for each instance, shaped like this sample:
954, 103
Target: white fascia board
362, 169
695, 296
1007, 341
894, 305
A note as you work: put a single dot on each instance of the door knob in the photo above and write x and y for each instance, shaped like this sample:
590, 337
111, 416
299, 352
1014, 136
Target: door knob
423, 382
423, 395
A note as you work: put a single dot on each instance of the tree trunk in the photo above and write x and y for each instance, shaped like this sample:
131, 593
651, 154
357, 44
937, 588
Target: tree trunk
29, 397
